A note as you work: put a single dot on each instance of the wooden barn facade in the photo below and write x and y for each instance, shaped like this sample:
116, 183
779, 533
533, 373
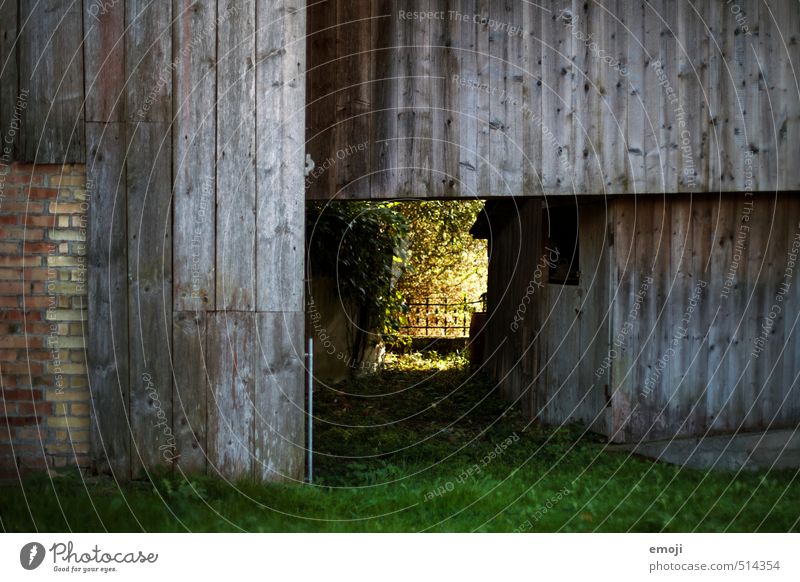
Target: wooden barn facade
647, 133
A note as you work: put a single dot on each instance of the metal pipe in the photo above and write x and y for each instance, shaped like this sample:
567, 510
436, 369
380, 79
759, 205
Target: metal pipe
310, 410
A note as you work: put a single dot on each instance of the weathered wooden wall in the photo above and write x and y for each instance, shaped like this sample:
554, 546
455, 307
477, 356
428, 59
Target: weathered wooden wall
457, 107
189, 116
714, 346
543, 341
683, 323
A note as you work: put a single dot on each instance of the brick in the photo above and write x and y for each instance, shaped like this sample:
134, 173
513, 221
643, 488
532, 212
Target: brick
21, 421
14, 288
55, 261
31, 434
19, 315
33, 395
66, 315
81, 409
65, 288
37, 247
38, 302
33, 220
43, 193
20, 261
24, 207
23, 368
8, 219
25, 178
60, 234
9, 248
6, 301
9, 355
67, 396
68, 422
66, 181
20, 341
67, 207
66, 368
35, 274
21, 233
35, 408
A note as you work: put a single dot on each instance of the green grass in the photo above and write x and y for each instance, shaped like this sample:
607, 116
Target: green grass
387, 442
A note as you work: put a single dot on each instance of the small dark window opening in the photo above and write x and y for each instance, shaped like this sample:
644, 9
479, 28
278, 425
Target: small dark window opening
560, 227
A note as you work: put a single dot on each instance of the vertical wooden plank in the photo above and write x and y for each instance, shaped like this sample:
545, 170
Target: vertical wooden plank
755, 99
383, 146
480, 84
231, 367
722, 151
595, 313
505, 98
467, 103
279, 404
422, 70
557, 117
354, 95
626, 284
320, 132
104, 60
107, 296
584, 82
51, 68
532, 99
9, 71
657, 68
190, 411
236, 157
280, 110
149, 188
614, 79
638, 61
786, 94
148, 60
692, 88
444, 33
194, 132
725, 270
675, 108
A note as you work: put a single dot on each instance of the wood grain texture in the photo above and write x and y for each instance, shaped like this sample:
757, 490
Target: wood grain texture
149, 197
232, 338
148, 60
108, 299
236, 158
191, 389
194, 136
279, 402
280, 231
51, 70
104, 60
9, 71
684, 125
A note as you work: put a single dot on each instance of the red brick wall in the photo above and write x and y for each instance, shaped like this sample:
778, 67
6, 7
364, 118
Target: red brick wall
44, 409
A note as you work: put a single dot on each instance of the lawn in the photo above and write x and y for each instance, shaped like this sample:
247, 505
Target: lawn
424, 446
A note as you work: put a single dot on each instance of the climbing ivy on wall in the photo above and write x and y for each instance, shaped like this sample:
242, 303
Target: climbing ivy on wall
361, 245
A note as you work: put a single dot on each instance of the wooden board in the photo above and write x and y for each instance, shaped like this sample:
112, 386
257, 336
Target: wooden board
9, 64
280, 231
148, 60
194, 133
51, 70
279, 403
236, 158
231, 367
104, 60
149, 189
107, 298
191, 389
